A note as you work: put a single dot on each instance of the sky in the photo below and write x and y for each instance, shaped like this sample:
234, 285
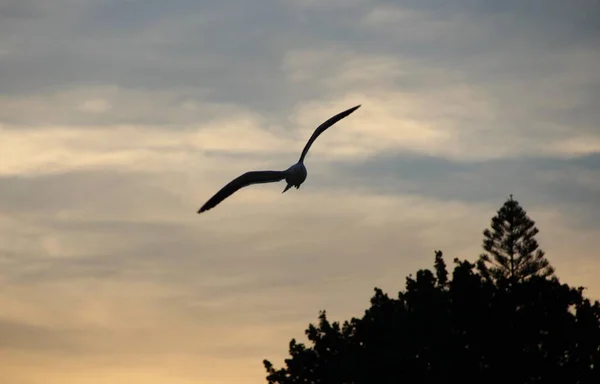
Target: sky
119, 119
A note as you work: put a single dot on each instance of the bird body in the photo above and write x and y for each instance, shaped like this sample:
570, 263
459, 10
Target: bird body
294, 176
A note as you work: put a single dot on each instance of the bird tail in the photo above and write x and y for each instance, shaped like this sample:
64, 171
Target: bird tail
287, 187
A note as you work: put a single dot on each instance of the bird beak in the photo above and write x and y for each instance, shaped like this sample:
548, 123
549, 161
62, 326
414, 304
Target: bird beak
287, 187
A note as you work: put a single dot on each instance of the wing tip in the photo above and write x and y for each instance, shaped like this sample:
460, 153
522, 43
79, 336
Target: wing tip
349, 111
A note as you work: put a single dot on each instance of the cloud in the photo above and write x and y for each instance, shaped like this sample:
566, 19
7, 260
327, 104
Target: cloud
566, 184
154, 285
119, 119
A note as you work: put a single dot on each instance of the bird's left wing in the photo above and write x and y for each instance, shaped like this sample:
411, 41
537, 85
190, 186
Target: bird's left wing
248, 178
321, 128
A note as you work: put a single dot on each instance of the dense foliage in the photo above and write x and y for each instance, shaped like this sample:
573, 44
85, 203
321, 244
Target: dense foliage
517, 325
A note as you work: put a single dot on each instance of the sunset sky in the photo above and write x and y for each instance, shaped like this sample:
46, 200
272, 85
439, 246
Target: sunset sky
120, 118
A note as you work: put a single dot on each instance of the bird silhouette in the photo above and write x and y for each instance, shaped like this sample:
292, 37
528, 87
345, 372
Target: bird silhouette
294, 175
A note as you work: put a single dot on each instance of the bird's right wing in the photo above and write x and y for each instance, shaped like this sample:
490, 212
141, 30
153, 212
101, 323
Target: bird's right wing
321, 128
248, 178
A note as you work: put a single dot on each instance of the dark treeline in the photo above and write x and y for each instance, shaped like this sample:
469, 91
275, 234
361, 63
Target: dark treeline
504, 319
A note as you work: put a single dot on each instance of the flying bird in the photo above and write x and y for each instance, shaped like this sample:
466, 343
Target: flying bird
294, 175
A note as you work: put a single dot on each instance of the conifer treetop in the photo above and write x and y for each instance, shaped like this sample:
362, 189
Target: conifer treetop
512, 252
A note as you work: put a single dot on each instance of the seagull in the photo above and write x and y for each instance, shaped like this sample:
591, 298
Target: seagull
294, 175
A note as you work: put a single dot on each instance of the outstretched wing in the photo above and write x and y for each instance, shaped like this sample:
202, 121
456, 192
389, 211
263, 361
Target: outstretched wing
248, 178
321, 128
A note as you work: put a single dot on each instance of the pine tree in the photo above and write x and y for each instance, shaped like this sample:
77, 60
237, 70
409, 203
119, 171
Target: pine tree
512, 250
441, 272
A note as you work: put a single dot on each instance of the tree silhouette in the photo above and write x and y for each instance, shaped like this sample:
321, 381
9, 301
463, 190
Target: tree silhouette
512, 250
466, 329
441, 272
